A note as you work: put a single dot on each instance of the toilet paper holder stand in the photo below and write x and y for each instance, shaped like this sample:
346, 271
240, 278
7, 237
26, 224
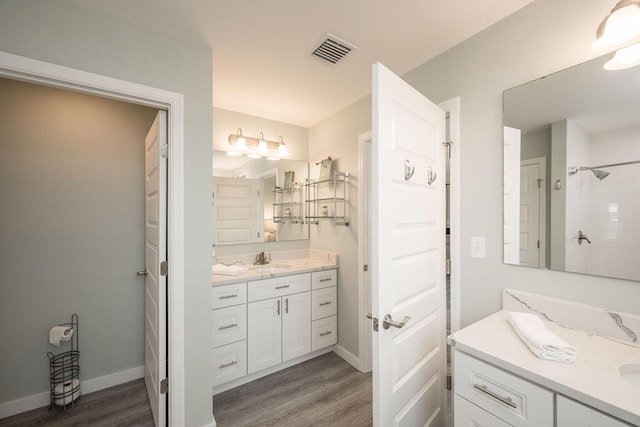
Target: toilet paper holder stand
64, 371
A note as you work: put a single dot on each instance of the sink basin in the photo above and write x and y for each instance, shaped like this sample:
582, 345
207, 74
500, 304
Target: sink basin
270, 268
631, 373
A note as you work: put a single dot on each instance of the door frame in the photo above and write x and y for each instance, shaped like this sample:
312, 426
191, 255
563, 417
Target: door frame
451, 107
43, 73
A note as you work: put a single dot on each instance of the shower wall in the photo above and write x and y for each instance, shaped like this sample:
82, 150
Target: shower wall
614, 205
577, 198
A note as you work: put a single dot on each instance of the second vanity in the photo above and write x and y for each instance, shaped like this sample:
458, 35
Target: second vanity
272, 317
499, 382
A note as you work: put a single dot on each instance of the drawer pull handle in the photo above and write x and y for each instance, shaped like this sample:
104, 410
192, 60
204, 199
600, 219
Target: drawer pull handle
506, 400
283, 287
325, 303
226, 365
222, 328
227, 296
322, 334
326, 279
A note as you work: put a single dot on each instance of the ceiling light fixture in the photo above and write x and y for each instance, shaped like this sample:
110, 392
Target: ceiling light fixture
256, 148
620, 31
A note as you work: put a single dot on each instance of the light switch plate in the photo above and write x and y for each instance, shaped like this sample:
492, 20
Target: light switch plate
477, 247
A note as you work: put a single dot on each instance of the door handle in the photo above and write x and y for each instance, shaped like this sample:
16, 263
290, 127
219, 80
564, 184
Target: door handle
388, 321
142, 273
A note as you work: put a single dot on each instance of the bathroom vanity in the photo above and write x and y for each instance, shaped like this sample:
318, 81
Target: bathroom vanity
272, 317
497, 381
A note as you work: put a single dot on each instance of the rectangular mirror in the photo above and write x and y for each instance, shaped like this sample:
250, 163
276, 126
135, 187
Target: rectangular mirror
572, 171
258, 200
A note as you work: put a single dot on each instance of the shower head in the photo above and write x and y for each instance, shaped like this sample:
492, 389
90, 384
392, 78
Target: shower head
600, 174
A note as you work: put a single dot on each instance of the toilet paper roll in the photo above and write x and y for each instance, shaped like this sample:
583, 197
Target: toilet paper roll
63, 394
60, 333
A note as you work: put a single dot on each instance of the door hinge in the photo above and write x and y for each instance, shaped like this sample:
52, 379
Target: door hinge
375, 321
366, 267
448, 381
164, 268
540, 182
164, 386
258, 234
538, 244
447, 144
164, 151
448, 266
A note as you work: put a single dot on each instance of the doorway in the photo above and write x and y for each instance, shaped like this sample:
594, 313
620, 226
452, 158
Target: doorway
39, 72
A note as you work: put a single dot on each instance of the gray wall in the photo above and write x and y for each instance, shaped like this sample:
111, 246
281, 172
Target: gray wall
544, 37
337, 137
71, 231
58, 32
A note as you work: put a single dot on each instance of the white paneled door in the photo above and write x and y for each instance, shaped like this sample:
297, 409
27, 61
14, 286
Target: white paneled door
155, 327
530, 180
408, 255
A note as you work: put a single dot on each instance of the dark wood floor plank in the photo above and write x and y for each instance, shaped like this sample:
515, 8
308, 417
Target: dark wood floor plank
123, 405
323, 391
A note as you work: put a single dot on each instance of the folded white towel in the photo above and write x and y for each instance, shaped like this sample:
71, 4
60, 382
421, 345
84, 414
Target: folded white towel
540, 340
228, 270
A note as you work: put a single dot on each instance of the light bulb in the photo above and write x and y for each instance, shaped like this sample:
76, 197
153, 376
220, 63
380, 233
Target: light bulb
282, 148
263, 148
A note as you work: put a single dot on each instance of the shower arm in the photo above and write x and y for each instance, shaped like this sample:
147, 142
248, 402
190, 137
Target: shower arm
574, 170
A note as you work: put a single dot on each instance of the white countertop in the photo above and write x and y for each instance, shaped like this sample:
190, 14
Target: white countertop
297, 266
592, 379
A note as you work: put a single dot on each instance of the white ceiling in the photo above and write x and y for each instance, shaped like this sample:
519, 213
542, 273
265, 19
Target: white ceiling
262, 63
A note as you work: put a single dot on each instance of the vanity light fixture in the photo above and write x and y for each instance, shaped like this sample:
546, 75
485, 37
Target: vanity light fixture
282, 148
620, 28
239, 145
256, 148
624, 58
620, 31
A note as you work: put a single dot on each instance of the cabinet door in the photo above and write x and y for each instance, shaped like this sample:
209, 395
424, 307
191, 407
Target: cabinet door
574, 414
466, 414
264, 334
296, 325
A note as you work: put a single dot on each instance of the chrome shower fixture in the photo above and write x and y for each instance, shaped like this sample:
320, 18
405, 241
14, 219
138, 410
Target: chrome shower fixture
600, 174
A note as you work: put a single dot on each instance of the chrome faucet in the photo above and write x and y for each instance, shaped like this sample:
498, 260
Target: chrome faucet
260, 259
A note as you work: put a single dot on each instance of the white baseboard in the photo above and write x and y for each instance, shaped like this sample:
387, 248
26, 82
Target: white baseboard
348, 357
39, 400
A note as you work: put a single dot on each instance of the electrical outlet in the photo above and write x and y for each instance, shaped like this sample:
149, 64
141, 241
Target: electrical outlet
478, 247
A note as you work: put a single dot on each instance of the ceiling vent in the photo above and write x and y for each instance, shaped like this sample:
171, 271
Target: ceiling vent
332, 49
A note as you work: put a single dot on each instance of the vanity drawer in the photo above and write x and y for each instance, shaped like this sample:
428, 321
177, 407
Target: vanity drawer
466, 414
510, 398
324, 303
229, 325
278, 286
324, 332
229, 362
228, 295
571, 413
324, 279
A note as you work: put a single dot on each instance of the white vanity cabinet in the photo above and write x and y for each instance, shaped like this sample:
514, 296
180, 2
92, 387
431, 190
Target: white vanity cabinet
260, 324
229, 330
279, 330
488, 396
507, 397
573, 414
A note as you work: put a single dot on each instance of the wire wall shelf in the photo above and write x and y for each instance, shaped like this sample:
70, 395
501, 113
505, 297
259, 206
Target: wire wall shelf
328, 199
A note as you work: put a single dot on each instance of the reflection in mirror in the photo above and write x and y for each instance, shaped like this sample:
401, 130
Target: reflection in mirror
572, 172
257, 200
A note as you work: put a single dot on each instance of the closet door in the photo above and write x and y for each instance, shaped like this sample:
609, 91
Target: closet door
264, 334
